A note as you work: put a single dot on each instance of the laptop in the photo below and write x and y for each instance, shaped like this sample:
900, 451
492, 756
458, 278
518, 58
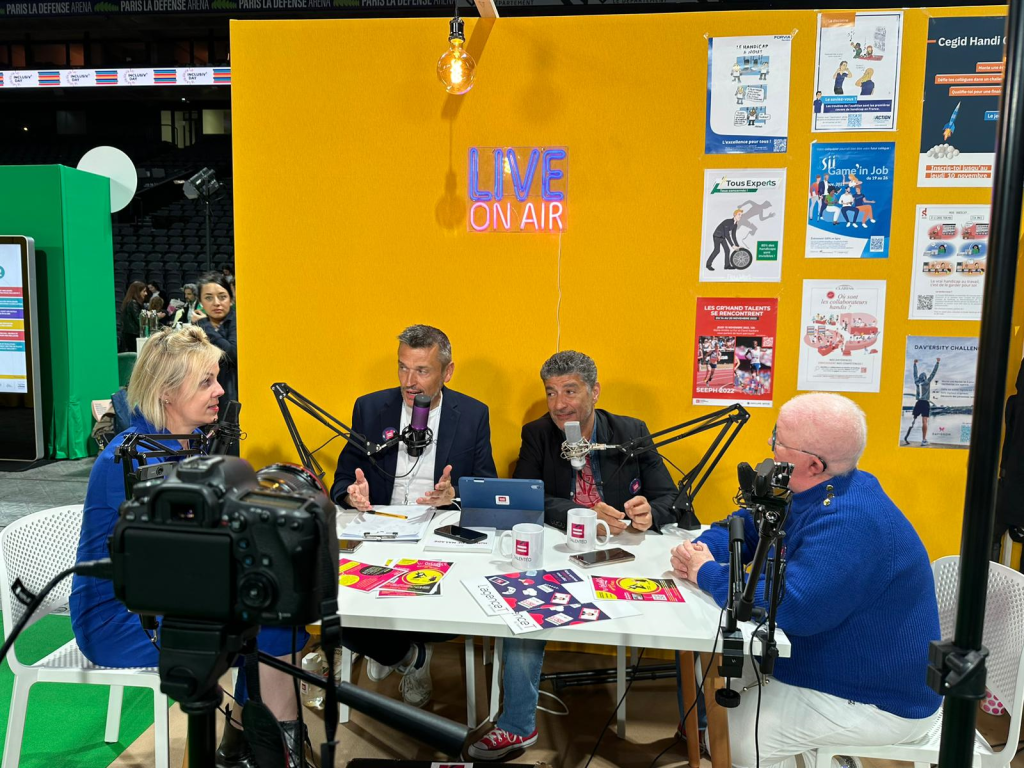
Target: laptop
494, 502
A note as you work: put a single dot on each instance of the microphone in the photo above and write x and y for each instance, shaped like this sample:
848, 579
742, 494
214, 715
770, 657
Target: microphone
575, 448
227, 433
417, 436
746, 475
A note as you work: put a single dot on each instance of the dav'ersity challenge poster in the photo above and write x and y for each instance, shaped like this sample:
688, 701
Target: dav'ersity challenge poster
963, 74
841, 330
938, 392
849, 201
857, 80
742, 225
748, 94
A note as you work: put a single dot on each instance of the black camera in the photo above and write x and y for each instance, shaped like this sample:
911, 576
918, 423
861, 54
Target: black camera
208, 542
766, 488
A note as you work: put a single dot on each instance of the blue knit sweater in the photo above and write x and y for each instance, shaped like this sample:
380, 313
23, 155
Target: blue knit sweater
859, 606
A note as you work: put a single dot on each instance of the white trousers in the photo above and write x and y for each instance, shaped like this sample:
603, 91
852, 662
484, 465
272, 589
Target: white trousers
795, 721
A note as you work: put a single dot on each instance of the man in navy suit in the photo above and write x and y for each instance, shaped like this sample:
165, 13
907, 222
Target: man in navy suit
461, 448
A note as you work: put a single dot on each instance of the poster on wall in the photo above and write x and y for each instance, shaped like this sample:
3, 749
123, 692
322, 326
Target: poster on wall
748, 94
849, 205
734, 352
938, 392
963, 75
742, 225
841, 327
950, 256
857, 80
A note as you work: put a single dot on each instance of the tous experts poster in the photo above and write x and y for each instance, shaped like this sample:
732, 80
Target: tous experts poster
748, 94
849, 206
857, 80
742, 225
842, 324
950, 256
938, 392
734, 355
963, 75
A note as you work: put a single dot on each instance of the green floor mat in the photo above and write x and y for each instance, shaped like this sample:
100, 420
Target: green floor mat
65, 722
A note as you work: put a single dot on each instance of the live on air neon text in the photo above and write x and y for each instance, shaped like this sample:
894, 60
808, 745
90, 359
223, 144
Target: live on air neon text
518, 189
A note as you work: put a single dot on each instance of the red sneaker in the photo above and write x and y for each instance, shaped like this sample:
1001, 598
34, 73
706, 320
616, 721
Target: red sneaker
498, 743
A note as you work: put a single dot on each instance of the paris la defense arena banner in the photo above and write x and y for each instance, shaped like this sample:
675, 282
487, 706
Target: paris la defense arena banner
857, 81
742, 225
950, 257
849, 201
734, 352
938, 392
963, 75
748, 94
92, 78
841, 327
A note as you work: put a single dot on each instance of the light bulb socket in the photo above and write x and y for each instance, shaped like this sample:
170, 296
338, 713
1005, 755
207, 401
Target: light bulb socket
455, 29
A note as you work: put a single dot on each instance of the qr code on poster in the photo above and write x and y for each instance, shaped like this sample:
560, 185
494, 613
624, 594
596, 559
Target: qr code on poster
877, 243
965, 434
779, 145
853, 121
925, 302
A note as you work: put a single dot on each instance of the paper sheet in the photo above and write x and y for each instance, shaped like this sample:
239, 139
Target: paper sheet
383, 526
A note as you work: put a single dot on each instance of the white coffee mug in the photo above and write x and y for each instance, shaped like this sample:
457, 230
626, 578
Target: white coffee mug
527, 551
581, 526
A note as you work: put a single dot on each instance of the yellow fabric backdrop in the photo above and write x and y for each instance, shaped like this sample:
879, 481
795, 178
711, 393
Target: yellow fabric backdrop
350, 214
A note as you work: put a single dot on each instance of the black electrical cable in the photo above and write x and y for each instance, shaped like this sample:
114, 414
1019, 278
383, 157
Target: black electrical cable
757, 676
700, 691
33, 606
611, 717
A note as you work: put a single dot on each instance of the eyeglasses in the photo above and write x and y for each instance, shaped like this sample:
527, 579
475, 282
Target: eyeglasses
775, 441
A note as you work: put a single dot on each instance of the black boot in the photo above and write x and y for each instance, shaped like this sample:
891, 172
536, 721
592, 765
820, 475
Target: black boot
296, 743
234, 751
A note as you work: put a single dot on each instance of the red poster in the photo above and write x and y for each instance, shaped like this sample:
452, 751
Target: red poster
734, 352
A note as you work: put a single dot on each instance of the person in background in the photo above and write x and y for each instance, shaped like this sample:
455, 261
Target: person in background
229, 275
154, 290
173, 390
134, 300
217, 319
191, 302
831, 691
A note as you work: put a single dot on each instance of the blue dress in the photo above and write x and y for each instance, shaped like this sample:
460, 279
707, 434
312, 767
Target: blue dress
107, 633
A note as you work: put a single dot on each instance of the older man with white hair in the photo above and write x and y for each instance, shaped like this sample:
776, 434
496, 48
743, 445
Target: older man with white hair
859, 603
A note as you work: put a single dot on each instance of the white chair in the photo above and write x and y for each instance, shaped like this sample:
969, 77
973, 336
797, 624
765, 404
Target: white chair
35, 549
1003, 636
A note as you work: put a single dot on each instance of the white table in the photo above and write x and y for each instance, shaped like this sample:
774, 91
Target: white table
688, 626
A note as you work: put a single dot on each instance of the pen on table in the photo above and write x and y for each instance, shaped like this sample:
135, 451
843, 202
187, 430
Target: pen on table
386, 514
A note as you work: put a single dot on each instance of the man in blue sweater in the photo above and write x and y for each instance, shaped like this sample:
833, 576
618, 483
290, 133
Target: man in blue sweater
859, 604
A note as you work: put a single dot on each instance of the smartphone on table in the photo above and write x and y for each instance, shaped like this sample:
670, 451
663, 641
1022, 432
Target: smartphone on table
458, 533
348, 546
603, 557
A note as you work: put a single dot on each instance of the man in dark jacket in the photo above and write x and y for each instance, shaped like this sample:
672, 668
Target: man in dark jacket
461, 448
724, 238
625, 492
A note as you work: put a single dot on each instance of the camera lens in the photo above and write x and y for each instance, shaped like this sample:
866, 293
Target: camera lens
256, 591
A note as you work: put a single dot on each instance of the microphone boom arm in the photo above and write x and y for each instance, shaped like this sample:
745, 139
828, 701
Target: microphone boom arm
729, 421
285, 394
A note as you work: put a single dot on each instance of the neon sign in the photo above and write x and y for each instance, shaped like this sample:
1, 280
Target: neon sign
518, 189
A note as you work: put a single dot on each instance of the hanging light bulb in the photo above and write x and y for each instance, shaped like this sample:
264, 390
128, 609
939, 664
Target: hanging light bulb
456, 68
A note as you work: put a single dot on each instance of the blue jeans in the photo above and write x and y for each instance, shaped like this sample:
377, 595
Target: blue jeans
523, 660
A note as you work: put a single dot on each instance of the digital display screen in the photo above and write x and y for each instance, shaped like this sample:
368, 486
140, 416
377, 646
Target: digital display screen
14, 361
21, 422
281, 502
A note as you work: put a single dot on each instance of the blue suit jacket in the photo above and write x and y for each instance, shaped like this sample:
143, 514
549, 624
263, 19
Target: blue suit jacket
463, 440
